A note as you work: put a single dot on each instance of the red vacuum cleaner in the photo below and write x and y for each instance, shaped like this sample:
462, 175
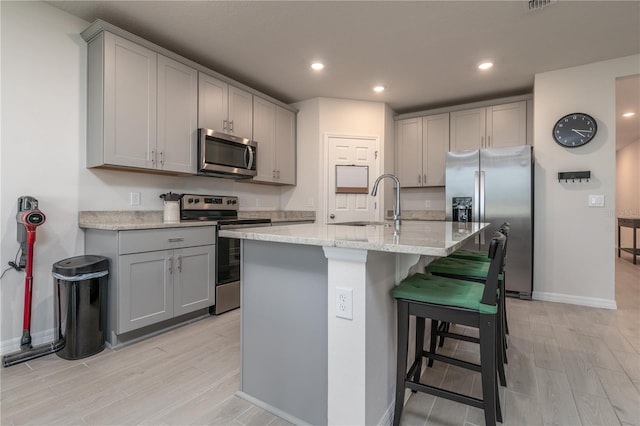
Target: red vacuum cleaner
28, 218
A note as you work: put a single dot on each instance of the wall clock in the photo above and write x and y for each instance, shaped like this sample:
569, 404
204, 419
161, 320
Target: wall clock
574, 130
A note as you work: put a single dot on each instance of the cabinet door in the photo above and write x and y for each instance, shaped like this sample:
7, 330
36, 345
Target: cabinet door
468, 129
286, 144
177, 116
264, 132
194, 279
409, 152
240, 113
507, 125
435, 145
129, 103
145, 292
213, 103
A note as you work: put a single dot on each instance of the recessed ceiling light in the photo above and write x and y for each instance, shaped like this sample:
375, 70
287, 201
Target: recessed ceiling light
628, 114
485, 65
378, 89
317, 66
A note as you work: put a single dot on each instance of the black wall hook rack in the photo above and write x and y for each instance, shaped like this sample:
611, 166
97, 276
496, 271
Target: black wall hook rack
573, 176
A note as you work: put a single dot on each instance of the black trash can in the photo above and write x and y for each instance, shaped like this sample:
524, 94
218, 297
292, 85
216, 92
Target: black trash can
80, 287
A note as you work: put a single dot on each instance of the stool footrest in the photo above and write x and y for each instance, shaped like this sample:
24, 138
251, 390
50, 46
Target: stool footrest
453, 361
454, 396
458, 336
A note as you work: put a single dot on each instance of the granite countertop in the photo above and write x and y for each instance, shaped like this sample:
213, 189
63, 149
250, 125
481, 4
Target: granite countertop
418, 214
433, 238
122, 220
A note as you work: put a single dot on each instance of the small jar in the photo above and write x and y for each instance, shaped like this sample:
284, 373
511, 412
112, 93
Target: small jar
171, 212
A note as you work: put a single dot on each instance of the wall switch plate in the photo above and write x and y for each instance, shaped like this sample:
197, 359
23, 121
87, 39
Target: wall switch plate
596, 200
134, 198
344, 302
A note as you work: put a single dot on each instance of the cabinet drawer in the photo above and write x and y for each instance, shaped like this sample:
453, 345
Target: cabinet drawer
141, 240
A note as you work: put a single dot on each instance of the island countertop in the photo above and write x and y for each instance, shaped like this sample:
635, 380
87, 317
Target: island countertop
432, 238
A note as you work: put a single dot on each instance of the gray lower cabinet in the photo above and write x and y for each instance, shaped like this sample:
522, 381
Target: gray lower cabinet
156, 274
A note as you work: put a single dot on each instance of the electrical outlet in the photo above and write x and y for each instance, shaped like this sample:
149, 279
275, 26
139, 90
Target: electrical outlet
134, 198
310, 202
258, 202
427, 204
344, 303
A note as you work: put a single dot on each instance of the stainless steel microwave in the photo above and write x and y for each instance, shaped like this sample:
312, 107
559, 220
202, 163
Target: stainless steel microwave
227, 156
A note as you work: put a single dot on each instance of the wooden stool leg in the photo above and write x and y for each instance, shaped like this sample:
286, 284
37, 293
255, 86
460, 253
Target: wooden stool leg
403, 348
419, 348
432, 340
487, 331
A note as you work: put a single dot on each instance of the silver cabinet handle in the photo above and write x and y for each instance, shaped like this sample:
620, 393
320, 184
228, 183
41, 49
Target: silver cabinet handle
175, 240
162, 158
488, 141
153, 158
481, 141
273, 174
278, 172
171, 265
231, 126
419, 178
179, 263
424, 179
224, 124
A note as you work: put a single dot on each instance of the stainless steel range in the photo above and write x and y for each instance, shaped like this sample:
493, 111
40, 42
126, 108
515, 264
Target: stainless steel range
224, 211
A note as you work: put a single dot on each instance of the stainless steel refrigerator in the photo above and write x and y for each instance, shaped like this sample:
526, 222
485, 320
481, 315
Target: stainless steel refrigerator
496, 185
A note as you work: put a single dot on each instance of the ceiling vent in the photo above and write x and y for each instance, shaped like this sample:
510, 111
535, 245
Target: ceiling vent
539, 4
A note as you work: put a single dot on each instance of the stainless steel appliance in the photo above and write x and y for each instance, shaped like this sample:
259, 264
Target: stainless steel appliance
496, 185
228, 156
223, 210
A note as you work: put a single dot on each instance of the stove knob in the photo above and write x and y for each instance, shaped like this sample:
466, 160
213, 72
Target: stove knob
190, 200
197, 200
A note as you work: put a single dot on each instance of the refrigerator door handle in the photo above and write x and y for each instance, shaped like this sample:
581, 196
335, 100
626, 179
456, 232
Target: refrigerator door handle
481, 204
476, 196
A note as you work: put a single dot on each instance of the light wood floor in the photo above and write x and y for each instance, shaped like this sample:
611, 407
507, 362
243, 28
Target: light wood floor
568, 365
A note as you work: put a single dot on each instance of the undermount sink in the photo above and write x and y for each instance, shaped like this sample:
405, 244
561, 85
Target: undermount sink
364, 223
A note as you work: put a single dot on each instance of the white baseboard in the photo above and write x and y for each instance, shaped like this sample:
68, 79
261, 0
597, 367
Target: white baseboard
387, 418
592, 302
270, 408
37, 338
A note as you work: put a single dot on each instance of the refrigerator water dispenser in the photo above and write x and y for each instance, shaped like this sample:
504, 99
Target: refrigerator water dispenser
461, 208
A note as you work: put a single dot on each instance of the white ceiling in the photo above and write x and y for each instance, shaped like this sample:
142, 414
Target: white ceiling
424, 52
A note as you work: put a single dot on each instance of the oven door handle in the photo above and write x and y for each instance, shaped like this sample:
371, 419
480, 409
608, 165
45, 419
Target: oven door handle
249, 162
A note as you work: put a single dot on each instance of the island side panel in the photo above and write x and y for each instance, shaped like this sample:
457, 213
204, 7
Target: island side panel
284, 328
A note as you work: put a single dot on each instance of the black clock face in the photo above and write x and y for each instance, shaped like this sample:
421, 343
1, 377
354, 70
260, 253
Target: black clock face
574, 130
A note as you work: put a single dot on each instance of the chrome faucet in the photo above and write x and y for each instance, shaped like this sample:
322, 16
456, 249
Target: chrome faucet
396, 208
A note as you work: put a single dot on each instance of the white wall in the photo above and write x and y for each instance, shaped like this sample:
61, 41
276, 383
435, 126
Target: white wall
43, 128
320, 116
574, 244
628, 188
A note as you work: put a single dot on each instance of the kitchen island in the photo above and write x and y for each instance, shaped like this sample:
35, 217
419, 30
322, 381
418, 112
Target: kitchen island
318, 321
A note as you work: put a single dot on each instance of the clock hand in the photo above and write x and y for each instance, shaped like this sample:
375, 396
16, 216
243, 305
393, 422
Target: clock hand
578, 132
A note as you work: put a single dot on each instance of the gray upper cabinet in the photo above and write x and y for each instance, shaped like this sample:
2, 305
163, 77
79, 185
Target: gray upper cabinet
274, 130
489, 127
422, 143
224, 108
142, 108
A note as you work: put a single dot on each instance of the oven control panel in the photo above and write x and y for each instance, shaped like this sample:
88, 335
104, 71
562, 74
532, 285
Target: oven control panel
208, 202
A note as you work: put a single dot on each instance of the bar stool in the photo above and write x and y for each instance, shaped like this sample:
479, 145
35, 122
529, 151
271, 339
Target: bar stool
474, 270
481, 256
461, 302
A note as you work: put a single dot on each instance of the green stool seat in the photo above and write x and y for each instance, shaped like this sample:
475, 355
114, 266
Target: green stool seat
429, 288
461, 268
475, 255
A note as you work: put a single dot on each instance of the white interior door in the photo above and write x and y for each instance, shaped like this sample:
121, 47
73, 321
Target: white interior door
356, 151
